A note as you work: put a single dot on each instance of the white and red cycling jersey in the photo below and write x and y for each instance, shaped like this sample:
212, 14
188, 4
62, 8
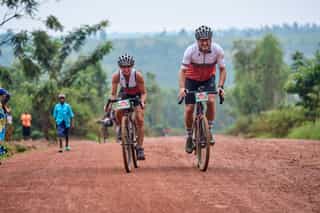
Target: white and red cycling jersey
129, 87
201, 66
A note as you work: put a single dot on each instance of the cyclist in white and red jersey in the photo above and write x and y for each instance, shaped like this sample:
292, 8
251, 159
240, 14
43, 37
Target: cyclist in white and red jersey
198, 69
131, 85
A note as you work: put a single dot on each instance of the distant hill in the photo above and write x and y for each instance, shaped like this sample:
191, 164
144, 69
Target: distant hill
161, 53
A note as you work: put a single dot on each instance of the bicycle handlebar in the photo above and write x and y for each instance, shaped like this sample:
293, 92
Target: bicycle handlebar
221, 98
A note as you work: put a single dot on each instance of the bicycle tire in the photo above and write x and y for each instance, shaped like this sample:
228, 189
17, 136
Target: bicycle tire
134, 153
203, 144
126, 146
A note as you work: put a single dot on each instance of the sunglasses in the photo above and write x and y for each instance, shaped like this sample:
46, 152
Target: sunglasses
125, 66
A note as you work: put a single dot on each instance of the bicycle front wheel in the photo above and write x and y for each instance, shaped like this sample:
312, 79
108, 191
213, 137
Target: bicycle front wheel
127, 151
133, 137
203, 144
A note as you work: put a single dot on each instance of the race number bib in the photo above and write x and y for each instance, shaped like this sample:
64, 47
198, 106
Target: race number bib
123, 104
201, 97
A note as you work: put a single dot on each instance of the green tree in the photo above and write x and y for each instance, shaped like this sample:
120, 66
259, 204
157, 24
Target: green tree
271, 72
305, 82
43, 60
154, 103
17, 9
260, 75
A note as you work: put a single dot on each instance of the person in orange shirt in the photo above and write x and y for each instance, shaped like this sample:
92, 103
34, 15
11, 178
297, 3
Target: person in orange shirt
26, 125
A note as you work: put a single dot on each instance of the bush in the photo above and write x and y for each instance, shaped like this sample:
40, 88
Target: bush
308, 130
5, 151
92, 137
277, 123
36, 134
12, 148
241, 126
20, 148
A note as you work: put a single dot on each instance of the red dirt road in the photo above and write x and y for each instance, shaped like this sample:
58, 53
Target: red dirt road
243, 176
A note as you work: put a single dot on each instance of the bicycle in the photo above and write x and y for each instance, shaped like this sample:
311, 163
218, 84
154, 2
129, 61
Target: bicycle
104, 124
201, 135
128, 131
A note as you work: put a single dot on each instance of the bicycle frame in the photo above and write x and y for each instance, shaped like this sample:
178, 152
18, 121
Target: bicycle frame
130, 114
129, 132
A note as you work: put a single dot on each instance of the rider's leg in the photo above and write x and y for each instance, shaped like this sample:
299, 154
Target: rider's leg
139, 119
210, 114
211, 109
118, 119
188, 113
139, 113
119, 115
188, 116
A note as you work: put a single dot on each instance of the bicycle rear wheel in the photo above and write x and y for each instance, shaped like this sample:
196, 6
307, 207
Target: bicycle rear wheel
127, 151
203, 144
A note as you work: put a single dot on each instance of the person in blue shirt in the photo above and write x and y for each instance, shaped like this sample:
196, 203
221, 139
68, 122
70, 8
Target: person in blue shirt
4, 98
63, 116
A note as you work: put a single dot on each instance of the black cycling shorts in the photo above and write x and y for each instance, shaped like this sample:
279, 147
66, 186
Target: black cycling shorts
192, 85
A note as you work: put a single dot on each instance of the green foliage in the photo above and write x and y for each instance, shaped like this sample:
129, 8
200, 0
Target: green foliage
36, 134
84, 62
29, 7
277, 123
241, 126
13, 148
20, 148
290, 121
271, 71
305, 82
260, 75
273, 123
18, 41
5, 76
154, 102
309, 130
15, 9
53, 23
75, 40
41, 72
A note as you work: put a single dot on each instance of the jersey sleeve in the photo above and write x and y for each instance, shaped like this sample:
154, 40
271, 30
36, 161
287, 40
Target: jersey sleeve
220, 59
186, 60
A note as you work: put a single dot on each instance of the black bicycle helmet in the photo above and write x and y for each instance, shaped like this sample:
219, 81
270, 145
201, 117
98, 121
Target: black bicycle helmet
125, 61
203, 32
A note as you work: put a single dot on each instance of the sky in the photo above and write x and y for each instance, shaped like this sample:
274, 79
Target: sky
173, 15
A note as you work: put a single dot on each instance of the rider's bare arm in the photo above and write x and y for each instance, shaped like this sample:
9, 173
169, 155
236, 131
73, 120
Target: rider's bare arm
222, 67
114, 87
222, 76
140, 84
182, 79
182, 74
